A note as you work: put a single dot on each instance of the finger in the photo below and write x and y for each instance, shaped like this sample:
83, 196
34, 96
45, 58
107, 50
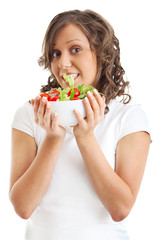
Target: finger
94, 104
47, 115
32, 101
100, 100
88, 109
55, 121
36, 103
36, 107
103, 106
79, 117
41, 110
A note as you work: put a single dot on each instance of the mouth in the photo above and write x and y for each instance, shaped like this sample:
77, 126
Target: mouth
74, 75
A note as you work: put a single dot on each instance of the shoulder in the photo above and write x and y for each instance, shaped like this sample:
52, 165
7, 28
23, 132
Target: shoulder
128, 118
119, 109
25, 108
24, 111
24, 119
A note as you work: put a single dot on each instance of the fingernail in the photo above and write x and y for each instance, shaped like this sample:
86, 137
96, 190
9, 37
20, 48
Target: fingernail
48, 105
32, 101
89, 93
38, 97
86, 99
55, 114
44, 99
95, 91
76, 110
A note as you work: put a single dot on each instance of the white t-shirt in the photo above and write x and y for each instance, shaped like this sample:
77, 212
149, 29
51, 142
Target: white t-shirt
70, 209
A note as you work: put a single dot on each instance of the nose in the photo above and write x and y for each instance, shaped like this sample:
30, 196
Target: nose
64, 61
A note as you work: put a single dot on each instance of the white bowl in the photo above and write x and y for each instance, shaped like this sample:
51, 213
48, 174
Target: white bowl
65, 110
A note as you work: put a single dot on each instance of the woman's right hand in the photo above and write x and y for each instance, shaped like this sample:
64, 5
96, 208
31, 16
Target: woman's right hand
42, 113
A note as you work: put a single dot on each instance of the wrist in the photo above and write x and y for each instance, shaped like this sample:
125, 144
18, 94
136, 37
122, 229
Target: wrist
54, 138
58, 134
85, 137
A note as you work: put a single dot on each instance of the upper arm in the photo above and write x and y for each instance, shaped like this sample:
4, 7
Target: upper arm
23, 152
131, 155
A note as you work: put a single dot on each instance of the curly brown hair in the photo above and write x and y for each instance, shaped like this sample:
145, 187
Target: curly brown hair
102, 40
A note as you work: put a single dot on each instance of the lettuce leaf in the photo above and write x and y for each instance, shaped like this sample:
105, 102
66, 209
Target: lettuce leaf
63, 94
69, 79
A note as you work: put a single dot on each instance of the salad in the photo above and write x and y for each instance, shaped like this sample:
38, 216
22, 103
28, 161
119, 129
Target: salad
69, 93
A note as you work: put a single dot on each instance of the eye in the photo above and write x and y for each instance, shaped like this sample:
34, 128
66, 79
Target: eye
56, 54
75, 50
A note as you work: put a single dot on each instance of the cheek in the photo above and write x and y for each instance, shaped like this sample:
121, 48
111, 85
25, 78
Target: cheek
90, 66
53, 69
89, 62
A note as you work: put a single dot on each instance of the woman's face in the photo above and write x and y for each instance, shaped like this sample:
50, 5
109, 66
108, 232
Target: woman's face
72, 55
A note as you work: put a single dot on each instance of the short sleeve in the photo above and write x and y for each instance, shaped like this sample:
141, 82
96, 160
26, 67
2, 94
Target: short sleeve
24, 119
133, 120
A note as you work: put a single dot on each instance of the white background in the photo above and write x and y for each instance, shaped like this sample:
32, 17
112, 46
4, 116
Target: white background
22, 28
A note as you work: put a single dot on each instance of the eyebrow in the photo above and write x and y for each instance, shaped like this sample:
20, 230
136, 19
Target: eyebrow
76, 39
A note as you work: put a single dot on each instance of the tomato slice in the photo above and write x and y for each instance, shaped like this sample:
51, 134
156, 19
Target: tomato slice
54, 98
77, 92
45, 95
55, 92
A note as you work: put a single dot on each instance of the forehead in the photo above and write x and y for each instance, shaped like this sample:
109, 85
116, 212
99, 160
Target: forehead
69, 33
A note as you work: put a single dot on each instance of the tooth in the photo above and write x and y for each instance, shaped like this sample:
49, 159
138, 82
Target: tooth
73, 75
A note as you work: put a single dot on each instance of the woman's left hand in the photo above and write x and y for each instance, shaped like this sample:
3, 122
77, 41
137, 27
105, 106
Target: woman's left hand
94, 106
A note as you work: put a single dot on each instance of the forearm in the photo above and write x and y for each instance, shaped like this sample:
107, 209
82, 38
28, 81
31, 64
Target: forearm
114, 193
28, 191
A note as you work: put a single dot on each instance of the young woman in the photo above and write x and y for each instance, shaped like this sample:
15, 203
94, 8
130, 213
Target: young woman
80, 182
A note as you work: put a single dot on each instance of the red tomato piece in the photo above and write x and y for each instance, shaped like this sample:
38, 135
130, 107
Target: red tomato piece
55, 91
77, 92
45, 95
54, 98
